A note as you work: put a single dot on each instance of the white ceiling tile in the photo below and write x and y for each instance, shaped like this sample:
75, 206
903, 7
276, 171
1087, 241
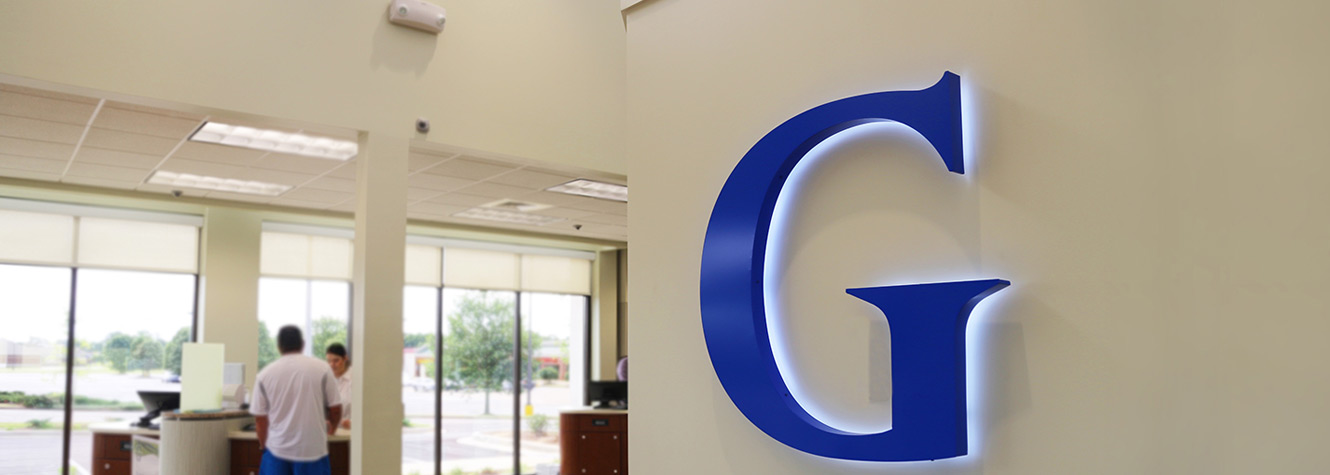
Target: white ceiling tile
416, 194
32, 164
198, 167
417, 161
218, 153
37, 107
134, 176
99, 182
25, 128
154, 110
569, 213
275, 176
620, 232
471, 168
164, 189
242, 197
436, 182
613, 219
125, 120
532, 180
557, 199
604, 206
333, 184
460, 199
297, 163
496, 191
323, 196
36, 148
127, 142
29, 175
347, 170
116, 158
48, 94
436, 209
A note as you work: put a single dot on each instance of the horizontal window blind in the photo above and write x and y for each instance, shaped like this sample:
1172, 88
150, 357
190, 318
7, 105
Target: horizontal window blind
96, 237
424, 265
480, 269
36, 238
303, 255
124, 244
563, 275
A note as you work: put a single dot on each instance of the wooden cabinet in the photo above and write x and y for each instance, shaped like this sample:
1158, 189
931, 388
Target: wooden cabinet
592, 443
111, 454
246, 457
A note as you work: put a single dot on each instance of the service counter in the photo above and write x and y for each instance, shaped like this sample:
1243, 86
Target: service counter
204, 444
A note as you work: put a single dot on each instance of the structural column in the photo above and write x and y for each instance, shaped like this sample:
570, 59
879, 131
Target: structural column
605, 316
380, 246
229, 285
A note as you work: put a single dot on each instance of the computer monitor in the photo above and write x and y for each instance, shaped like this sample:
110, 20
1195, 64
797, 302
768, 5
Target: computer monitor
607, 394
156, 402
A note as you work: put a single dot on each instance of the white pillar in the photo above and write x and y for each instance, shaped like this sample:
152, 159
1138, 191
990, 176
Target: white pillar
605, 316
380, 246
229, 285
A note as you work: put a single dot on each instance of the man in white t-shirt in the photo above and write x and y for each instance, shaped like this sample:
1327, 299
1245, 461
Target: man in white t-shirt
295, 407
341, 365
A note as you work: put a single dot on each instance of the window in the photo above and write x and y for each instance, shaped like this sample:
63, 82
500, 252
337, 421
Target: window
466, 405
34, 311
131, 277
307, 283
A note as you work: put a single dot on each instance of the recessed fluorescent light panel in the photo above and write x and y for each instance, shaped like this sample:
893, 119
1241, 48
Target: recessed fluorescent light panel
490, 214
186, 180
594, 189
275, 141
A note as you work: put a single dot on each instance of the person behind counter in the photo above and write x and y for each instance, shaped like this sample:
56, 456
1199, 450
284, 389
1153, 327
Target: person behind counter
295, 406
340, 364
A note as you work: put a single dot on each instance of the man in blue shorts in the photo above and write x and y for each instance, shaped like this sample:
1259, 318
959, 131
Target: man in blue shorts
295, 407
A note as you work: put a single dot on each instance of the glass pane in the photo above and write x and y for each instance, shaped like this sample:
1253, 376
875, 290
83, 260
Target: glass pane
553, 371
129, 330
281, 302
34, 313
477, 365
330, 315
420, 320
319, 308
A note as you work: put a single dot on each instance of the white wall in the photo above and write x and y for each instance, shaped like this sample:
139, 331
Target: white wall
1147, 175
539, 80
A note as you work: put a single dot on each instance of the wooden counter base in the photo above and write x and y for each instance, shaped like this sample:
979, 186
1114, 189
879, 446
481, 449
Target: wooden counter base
593, 442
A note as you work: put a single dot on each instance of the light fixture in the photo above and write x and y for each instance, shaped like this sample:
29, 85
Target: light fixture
275, 141
186, 180
490, 214
514, 205
593, 189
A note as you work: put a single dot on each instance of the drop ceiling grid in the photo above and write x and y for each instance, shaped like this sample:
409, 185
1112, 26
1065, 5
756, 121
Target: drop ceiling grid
53, 136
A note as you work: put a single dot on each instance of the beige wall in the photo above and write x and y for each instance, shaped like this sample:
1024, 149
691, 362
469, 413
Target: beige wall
1147, 174
540, 80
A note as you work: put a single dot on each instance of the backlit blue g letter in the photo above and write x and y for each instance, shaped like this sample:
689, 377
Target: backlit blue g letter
927, 320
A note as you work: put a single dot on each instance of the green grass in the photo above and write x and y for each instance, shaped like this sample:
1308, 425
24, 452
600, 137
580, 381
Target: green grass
49, 426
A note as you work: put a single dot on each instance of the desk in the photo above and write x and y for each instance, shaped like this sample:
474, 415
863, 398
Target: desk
111, 450
593, 442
